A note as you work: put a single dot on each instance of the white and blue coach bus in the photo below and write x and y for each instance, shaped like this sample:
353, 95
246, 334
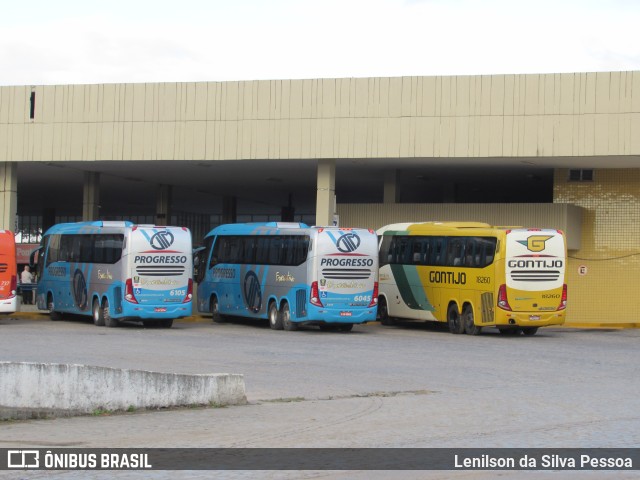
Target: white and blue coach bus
290, 274
116, 271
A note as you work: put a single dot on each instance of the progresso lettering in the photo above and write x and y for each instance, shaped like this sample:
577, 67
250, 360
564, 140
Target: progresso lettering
346, 262
160, 259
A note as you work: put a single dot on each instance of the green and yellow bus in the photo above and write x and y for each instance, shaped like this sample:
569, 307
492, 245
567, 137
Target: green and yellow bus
472, 275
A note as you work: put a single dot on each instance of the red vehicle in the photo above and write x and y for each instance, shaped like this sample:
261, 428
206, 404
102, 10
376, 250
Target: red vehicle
8, 273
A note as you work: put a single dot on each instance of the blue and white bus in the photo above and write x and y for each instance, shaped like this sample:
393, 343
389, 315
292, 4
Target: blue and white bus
114, 271
290, 274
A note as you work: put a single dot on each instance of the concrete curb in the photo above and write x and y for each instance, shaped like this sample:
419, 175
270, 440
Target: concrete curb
34, 390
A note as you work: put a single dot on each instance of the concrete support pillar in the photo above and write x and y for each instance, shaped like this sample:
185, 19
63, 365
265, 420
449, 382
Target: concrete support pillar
163, 205
229, 209
326, 194
8, 195
391, 190
91, 197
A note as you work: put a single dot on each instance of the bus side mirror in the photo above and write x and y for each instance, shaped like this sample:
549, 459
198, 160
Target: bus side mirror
32, 260
197, 257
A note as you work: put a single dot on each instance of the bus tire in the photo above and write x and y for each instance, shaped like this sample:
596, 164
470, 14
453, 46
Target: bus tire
530, 331
165, 323
98, 318
470, 328
383, 313
214, 308
53, 315
454, 321
109, 321
345, 327
275, 319
285, 315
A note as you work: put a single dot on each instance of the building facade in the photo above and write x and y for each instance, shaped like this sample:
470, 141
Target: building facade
553, 150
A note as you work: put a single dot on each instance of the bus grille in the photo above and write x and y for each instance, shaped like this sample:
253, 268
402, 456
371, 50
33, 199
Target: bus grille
301, 303
487, 307
160, 270
346, 273
3, 267
535, 275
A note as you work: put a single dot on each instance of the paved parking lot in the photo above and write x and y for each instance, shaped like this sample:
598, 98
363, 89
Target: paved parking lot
410, 386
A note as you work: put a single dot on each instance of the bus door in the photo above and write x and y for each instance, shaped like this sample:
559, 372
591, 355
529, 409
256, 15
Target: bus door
347, 268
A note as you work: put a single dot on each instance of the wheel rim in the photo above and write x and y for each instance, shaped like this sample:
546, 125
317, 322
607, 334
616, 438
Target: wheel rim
96, 312
272, 314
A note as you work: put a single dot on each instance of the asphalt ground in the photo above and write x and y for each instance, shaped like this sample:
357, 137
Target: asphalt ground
376, 387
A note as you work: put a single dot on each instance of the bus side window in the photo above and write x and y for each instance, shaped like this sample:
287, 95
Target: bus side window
385, 250
215, 255
275, 250
249, 250
437, 251
262, 250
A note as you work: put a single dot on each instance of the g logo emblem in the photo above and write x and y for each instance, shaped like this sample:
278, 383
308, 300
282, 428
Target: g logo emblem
252, 293
79, 289
162, 240
347, 243
535, 243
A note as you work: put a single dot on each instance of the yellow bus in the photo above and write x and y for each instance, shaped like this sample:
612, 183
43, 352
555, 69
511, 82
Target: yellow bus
472, 275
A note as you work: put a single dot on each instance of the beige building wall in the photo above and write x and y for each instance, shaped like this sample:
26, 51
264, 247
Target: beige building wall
573, 114
604, 274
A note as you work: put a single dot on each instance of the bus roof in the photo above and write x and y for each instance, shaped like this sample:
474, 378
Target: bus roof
457, 227
270, 227
428, 225
254, 227
76, 227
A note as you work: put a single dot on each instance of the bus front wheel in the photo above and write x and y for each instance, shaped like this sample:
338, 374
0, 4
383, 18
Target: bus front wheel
470, 326
454, 321
53, 315
383, 312
214, 308
285, 314
275, 320
98, 318
106, 314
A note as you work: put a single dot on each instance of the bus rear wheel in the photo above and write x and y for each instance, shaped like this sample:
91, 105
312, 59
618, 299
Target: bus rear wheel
106, 314
165, 323
275, 320
530, 331
470, 327
345, 327
98, 318
454, 321
53, 315
285, 314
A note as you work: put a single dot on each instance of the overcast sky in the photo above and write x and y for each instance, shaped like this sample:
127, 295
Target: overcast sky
108, 41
